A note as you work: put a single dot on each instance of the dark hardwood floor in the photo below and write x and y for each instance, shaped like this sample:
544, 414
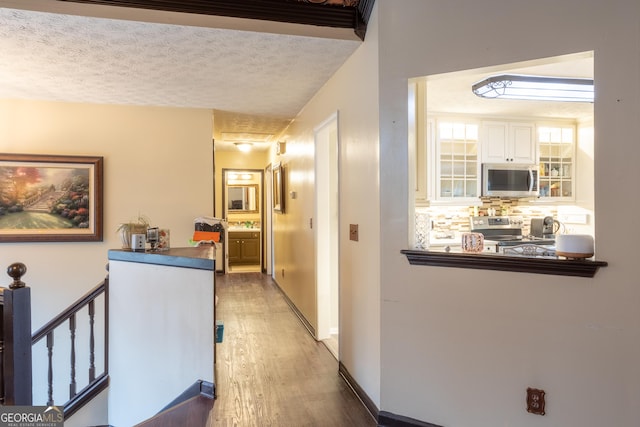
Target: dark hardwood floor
269, 370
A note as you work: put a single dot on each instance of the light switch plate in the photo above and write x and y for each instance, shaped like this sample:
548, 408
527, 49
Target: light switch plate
353, 232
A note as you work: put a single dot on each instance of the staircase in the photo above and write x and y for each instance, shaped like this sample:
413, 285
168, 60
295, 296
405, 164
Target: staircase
191, 408
44, 202
22, 354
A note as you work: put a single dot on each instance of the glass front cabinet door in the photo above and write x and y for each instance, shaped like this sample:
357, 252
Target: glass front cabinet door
556, 146
457, 161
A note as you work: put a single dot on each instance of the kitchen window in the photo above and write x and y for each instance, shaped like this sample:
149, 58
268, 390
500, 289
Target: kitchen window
447, 142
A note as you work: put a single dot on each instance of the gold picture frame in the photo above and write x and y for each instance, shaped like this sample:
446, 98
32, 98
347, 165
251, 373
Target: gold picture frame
278, 188
50, 198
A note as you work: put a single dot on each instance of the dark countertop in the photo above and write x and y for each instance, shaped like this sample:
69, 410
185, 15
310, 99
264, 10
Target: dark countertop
200, 257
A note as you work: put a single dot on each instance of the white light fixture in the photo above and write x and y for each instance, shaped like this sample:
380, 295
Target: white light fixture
535, 88
244, 146
246, 176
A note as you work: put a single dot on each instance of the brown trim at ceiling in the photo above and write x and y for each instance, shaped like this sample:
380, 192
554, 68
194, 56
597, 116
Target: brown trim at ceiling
297, 12
364, 12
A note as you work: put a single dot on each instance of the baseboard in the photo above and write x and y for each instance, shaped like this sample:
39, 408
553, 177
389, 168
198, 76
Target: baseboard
387, 419
359, 391
384, 418
298, 313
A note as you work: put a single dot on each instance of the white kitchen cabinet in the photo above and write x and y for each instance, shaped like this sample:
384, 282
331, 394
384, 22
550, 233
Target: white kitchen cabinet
508, 142
420, 136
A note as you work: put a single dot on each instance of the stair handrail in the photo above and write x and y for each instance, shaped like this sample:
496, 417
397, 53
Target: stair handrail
66, 314
96, 383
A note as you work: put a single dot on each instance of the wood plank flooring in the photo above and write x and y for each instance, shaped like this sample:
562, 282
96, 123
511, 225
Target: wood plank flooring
269, 370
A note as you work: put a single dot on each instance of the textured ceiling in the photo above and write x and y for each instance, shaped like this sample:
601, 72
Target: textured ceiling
256, 82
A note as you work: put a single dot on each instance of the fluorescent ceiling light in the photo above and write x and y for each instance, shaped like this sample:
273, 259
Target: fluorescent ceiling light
535, 88
244, 146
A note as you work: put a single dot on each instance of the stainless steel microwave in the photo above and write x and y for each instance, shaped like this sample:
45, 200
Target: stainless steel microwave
509, 180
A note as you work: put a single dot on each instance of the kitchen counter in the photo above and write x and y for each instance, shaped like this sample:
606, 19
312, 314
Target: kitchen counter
200, 257
236, 228
517, 263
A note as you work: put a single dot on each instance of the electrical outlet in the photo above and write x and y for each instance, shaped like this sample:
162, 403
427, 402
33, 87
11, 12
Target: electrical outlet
535, 401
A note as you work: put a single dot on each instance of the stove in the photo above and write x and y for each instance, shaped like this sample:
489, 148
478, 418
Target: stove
504, 231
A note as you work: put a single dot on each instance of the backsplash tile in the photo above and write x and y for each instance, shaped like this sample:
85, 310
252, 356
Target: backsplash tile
449, 221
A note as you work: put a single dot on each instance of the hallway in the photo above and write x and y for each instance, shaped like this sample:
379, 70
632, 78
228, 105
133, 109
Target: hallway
269, 370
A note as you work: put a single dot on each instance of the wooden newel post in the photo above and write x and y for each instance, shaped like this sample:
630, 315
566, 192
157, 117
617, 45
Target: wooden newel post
15, 341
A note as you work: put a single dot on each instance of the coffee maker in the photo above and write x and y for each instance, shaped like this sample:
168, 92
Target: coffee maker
544, 228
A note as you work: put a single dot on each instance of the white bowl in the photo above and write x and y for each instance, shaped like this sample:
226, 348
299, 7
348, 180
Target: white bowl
574, 245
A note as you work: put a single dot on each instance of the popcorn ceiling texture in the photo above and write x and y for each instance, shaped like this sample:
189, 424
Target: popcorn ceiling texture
95, 60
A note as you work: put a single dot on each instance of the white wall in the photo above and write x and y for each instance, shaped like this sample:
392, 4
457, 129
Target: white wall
93, 413
353, 92
460, 346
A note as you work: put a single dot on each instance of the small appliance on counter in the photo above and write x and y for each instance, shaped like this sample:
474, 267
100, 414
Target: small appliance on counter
574, 245
546, 227
138, 242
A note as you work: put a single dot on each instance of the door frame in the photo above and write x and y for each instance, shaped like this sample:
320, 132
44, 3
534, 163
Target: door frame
225, 216
327, 229
268, 266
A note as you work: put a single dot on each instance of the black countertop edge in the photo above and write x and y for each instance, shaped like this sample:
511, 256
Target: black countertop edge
200, 258
559, 267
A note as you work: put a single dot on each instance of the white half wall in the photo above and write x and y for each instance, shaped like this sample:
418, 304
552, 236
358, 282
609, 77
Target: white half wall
161, 336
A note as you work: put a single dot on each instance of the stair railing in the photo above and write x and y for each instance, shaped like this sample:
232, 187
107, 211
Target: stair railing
17, 344
15, 339
70, 317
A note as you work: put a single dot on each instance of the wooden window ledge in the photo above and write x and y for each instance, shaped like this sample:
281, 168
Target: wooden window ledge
521, 264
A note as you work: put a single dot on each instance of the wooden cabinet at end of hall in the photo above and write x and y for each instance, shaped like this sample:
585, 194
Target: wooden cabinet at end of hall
244, 247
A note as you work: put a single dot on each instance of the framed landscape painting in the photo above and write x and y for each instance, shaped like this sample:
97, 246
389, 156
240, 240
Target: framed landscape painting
278, 188
50, 198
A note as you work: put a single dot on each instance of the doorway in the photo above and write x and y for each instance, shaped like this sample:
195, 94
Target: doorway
267, 244
242, 194
327, 232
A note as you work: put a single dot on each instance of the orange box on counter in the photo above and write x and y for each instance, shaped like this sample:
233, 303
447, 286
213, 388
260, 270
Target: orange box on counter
206, 236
